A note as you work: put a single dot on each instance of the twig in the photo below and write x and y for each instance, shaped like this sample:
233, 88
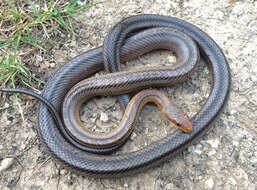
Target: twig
40, 166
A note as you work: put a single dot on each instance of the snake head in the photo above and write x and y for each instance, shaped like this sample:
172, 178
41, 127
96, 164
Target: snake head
176, 116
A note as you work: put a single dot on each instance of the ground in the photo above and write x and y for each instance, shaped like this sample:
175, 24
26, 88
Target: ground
224, 158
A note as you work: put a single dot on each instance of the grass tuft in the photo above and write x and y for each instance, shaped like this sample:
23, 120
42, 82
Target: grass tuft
29, 25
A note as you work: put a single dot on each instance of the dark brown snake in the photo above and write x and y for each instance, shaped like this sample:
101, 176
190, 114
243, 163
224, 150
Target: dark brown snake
77, 148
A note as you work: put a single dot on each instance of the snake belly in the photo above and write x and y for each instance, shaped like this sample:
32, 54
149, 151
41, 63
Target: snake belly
91, 62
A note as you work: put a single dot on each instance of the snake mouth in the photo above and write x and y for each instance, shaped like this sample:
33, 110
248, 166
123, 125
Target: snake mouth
185, 125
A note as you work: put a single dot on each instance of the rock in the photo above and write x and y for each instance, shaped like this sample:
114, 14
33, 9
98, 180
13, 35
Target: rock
209, 184
39, 58
103, 127
133, 136
198, 149
125, 185
170, 186
212, 152
214, 143
63, 172
6, 163
238, 9
232, 181
233, 111
45, 65
104, 117
12, 182
254, 78
52, 64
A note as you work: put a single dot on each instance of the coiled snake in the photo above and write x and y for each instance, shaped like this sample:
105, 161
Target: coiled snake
77, 148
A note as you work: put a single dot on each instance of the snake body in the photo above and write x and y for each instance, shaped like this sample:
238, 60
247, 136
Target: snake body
130, 81
127, 41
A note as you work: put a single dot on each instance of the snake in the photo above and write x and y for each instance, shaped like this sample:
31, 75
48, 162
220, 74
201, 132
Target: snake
73, 84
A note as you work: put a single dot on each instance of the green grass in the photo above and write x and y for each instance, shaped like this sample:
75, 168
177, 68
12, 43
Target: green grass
11, 69
30, 28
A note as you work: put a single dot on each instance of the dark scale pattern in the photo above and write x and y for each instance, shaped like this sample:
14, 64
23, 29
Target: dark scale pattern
85, 65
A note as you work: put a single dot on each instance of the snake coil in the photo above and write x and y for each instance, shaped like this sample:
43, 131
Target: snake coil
127, 40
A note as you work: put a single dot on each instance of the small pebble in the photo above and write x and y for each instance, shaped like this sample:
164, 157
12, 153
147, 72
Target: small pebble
12, 182
6, 163
238, 10
39, 58
209, 184
125, 185
212, 152
213, 142
93, 119
104, 117
254, 78
232, 112
198, 149
52, 64
63, 172
232, 181
170, 186
235, 143
44, 65
133, 136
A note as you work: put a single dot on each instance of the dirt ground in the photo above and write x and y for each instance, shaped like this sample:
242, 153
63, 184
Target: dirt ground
225, 158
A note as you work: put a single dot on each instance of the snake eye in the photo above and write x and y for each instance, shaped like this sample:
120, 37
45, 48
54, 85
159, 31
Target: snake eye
179, 125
